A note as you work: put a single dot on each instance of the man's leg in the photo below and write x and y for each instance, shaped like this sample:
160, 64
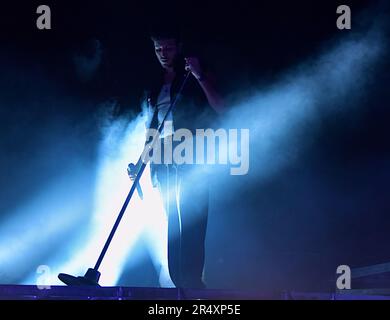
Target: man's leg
194, 198
166, 176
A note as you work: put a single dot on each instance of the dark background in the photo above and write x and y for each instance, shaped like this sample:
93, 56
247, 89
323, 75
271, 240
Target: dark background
330, 208
249, 40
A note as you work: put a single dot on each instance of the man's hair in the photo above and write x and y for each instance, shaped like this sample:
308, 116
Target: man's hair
162, 33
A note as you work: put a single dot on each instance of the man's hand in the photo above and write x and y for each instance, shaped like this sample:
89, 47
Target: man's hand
207, 84
132, 171
193, 65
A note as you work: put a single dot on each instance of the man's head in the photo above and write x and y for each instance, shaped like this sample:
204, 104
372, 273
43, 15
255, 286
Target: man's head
167, 47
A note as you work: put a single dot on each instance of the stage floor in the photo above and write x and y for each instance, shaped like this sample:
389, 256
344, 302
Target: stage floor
29, 292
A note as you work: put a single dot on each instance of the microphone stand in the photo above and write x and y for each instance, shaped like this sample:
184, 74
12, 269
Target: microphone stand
92, 275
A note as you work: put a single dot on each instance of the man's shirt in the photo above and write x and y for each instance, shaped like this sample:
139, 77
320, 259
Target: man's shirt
163, 104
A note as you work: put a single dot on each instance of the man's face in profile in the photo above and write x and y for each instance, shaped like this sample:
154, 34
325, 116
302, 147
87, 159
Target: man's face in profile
166, 52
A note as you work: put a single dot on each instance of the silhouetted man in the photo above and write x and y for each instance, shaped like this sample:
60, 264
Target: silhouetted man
183, 187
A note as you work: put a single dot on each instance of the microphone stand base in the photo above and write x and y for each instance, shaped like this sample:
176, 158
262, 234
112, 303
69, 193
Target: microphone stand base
91, 278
